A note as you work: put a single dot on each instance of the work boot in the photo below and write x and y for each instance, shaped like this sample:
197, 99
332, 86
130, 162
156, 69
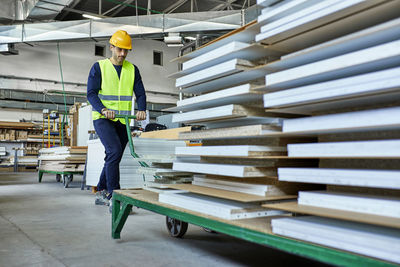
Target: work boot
101, 198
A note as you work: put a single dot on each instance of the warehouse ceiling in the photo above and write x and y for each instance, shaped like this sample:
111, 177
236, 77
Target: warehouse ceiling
17, 11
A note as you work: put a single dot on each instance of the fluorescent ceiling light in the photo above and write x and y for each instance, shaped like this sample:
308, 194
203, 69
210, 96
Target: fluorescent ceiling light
90, 16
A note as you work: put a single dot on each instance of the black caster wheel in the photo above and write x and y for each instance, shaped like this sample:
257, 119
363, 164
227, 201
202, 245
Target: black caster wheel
58, 178
176, 228
67, 180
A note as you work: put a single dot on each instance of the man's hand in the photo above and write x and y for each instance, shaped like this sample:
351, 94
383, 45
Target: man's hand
109, 114
141, 115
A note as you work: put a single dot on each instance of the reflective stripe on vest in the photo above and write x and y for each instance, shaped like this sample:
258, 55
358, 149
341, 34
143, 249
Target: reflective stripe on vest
115, 97
116, 93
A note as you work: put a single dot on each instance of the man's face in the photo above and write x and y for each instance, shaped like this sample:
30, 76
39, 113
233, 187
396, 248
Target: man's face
118, 54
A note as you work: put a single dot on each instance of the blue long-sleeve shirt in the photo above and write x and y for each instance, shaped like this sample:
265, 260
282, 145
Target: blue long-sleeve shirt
94, 86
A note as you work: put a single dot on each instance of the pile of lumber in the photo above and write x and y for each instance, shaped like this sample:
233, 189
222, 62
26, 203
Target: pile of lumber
63, 159
307, 95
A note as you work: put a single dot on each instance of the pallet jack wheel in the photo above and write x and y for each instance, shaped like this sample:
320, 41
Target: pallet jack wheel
58, 178
67, 180
176, 228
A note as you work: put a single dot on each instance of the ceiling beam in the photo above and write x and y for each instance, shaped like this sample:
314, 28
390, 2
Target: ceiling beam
222, 6
118, 8
224, 2
174, 6
73, 5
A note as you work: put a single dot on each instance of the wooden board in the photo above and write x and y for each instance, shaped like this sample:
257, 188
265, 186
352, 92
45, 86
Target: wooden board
241, 197
166, 134
16, 125
233, 132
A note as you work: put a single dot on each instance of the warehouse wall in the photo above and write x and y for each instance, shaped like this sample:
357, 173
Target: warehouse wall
41, 61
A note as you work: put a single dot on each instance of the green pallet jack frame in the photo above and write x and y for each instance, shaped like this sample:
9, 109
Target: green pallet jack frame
122, 206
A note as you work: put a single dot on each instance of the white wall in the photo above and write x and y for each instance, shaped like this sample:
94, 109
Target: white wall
41, 61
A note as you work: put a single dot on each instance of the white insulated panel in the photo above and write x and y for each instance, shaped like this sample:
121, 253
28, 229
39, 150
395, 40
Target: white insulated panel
221, 208
383, 33
347, 177
374, 241
266, 3
365, 60
283, 9
254, 189
376, 205
305, 19
356, 149
228, 81
376, 119
360, 85
220, 169
246, 36
235, 95
210, 73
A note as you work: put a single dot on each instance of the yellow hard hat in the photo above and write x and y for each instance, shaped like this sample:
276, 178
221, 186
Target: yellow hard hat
121, 39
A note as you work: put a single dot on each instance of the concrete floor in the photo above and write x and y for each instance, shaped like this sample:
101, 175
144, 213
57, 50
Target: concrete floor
48, 225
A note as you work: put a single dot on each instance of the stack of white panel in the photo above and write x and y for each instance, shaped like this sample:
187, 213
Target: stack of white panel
344, 85
129, 178
221, 208
361, 203
153, 152
2, 151
374, 241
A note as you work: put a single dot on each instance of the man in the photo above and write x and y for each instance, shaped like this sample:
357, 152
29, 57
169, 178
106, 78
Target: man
110, 89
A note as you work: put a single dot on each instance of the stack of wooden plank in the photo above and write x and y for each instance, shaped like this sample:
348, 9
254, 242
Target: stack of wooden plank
344, 86
63, 159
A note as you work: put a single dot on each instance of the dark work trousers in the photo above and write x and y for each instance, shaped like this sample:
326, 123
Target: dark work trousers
114, 137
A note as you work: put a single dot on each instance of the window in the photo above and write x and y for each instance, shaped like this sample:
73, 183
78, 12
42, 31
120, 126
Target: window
99, 50
158, 58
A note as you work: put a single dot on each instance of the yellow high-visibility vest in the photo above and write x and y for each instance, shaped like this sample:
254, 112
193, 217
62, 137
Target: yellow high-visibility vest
116, 93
